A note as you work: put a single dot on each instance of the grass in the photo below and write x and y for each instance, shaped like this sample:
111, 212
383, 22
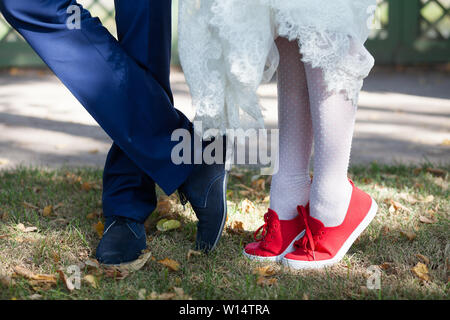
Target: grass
67, 237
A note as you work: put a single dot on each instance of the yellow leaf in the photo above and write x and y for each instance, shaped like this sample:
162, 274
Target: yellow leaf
421, 271
167, 225
48, 210
237, 227
409, 235
99, 228
263, 281
91, 280
172, 265
265, 271
86, 186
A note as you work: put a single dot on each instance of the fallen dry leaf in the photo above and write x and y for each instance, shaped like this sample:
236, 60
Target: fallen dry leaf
162, 296
166, 225
396, 206
24, 229
88, 186
30, 206
421, 271
237, 227
99, 228
48, 210
259, 184
67, 283
437, 172
172, 265
90, 279
247, 206
6, 280
426, 220
177, 294
116, 274
409, 198
92, 215
193, 253
265, 271
90, 263
136, 264
237, 175
428, 199
423, 258
409, 235
164, 206
49, 278
263, 281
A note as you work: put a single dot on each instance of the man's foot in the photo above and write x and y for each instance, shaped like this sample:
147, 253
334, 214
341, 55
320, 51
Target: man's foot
278, 237
206, 190
122, 242
324, 246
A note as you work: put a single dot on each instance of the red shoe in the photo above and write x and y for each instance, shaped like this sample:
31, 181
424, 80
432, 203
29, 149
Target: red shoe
322, 246
277, 238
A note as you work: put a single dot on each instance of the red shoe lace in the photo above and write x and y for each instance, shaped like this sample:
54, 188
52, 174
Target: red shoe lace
308, 241
266, 229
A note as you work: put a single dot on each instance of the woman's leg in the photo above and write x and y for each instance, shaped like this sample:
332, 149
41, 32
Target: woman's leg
333, 119
291, 185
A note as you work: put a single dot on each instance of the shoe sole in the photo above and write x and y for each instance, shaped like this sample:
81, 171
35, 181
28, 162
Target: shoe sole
296, 264
224, 219
278, 258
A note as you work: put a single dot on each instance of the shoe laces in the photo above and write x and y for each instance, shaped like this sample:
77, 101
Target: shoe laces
268, 227
308, 241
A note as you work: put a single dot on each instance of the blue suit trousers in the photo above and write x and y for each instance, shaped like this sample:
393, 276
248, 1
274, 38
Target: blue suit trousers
123, 84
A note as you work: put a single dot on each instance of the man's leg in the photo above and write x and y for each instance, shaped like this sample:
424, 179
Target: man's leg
126, 99
144, 32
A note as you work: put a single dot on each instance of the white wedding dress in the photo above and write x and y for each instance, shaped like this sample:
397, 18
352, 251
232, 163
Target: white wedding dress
227, 50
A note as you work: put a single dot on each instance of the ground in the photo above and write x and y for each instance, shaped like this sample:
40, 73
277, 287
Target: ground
407, 242
403, 117
51, 154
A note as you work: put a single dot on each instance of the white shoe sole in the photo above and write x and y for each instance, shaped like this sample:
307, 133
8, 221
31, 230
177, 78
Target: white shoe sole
278, 258
296, 264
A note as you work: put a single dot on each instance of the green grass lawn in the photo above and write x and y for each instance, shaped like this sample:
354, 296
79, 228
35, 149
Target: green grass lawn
411, 227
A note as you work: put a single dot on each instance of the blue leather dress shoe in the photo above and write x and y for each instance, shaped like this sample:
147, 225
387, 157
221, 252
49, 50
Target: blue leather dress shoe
206, 190
122, 242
